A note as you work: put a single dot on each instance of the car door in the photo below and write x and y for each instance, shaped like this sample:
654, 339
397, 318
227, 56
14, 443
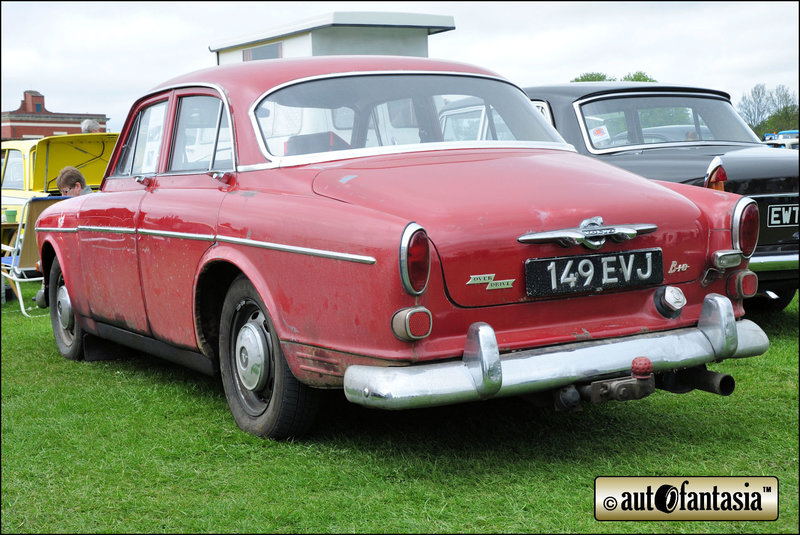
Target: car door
107, 222
177, 219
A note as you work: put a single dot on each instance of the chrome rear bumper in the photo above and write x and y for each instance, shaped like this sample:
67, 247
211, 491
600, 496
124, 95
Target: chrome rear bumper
775, 262
482, 372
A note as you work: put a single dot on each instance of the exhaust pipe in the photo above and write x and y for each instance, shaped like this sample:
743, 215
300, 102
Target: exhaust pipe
699, 378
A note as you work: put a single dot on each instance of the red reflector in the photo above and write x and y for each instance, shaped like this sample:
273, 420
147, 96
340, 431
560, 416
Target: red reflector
411, 324
419, 324
742, 284
749, 284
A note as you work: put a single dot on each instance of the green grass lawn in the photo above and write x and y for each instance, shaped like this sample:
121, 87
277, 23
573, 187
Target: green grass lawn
140, 445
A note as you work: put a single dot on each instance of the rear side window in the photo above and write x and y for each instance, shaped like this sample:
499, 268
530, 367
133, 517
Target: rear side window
143, 146
202, 137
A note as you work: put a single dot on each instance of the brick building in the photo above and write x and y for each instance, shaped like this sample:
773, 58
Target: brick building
32, 120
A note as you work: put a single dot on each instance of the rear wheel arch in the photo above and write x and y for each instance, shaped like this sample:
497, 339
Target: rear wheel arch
47, 256
216, 273
212, 286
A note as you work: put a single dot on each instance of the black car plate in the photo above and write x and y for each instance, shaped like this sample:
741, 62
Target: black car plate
546, 277
782, 215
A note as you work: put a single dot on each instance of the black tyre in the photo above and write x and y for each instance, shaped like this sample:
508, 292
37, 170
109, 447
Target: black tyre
764, 305
67, 331
263, 395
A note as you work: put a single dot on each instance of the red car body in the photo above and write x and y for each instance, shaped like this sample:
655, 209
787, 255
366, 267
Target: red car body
393, 269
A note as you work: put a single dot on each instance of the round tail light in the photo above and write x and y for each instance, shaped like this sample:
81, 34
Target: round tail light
745, 225
415, 259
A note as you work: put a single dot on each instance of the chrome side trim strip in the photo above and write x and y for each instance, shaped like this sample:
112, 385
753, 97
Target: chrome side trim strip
322, 253
55, 229
110, 230
480, 374
180, 235
299, 250
323, 157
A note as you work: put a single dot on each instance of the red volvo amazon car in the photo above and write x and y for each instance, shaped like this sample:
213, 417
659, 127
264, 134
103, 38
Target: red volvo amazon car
317, 223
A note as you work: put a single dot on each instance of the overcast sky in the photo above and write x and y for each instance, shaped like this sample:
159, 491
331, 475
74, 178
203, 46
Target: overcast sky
98, 57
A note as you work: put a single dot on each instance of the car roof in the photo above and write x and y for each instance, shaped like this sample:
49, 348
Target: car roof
19, 144
578, 90
273, 72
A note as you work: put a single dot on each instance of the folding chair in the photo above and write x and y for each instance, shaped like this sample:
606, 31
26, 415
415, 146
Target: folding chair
19, 261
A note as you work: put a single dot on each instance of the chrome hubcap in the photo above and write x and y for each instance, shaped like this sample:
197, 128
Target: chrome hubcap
252, 355
64, 309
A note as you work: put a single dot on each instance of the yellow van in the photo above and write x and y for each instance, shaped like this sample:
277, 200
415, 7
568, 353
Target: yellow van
30, 166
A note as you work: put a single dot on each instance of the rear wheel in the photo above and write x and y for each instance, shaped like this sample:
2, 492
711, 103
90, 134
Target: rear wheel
66, 330
765, 305
263, 395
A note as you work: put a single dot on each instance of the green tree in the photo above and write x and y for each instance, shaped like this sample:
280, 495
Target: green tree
638, 76
769, 111
785, 118
593, 77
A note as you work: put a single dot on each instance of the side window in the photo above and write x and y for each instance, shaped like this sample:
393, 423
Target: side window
544, 108
462, 125
394, 123
141, 149
13, 170
202, 138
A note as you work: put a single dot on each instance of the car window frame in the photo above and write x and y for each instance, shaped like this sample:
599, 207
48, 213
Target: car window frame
276, 161
224, 112
169, 94
130, 134
6, 153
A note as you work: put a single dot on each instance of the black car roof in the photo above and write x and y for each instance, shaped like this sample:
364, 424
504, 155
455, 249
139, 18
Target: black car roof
578, 90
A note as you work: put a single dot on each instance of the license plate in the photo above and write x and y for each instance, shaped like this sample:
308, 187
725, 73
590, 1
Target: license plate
782, 215
593, 273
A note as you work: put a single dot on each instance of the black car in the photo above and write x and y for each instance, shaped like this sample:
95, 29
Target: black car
694, 136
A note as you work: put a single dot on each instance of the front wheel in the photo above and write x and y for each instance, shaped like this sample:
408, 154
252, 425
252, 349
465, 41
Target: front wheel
66, 330
264, 396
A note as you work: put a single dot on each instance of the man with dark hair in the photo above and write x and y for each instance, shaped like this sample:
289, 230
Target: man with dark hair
70, 182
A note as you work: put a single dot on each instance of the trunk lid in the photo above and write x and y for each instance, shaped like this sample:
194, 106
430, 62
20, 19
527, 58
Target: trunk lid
475, 205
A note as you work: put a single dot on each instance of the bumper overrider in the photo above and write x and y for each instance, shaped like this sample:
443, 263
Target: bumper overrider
482, 373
